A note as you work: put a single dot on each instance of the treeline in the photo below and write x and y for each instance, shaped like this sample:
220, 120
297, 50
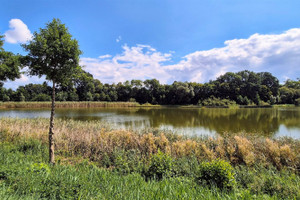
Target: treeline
243, 88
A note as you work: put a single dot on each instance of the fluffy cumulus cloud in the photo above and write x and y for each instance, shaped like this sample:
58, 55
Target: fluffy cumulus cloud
18, 32
24, 80
275, 53
138, 62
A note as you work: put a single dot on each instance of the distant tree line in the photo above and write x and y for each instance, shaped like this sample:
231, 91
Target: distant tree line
243, 88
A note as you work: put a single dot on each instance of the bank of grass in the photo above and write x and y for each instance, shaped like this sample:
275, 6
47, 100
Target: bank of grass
68, 104
25, 174
97, 162
98, 142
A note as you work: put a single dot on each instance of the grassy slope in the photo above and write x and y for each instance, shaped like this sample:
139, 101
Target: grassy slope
95, 162
24, 175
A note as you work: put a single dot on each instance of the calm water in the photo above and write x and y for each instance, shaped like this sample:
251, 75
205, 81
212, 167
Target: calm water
273, 122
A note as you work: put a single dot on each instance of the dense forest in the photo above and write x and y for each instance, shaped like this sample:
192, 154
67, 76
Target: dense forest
243, 88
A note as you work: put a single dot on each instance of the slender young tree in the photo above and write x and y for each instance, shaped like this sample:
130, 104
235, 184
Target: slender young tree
53, 53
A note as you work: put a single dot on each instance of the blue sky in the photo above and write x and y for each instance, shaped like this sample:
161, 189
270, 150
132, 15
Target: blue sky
170, 40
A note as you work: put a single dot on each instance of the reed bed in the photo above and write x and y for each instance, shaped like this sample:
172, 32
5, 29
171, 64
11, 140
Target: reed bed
97, 141
85, 104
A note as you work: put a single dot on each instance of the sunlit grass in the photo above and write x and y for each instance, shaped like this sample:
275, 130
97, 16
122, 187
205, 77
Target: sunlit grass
25, 174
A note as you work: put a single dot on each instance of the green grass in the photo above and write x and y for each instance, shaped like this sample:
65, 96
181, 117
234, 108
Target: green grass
25, 174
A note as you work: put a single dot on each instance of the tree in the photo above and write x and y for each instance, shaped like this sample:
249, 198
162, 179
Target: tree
9, 64
53, 53
85, 86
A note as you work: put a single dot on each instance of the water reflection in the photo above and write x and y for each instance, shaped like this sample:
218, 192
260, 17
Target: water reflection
263, 121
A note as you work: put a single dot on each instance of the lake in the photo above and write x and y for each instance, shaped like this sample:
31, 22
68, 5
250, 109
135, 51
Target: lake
271, 122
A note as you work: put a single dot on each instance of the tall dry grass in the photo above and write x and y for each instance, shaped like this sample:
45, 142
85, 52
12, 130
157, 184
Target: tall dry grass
84, 104
94, 140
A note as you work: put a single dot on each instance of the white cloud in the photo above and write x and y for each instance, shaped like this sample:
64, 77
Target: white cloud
104, 56
275, 53
119, 38
18, 33
24, 80
138, 62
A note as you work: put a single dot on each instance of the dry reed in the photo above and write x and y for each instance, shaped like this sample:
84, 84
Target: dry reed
93, 139
84, 104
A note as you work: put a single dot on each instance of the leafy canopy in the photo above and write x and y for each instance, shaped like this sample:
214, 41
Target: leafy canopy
9, 64
53, 52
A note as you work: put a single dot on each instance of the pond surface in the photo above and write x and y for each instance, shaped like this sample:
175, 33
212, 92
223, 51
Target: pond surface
271, 122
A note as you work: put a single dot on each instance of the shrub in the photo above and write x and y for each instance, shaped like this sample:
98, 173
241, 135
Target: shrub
216, 173
213, 101
161, 165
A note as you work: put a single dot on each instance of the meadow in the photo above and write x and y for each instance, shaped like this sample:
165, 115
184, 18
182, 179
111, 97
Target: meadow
95, 161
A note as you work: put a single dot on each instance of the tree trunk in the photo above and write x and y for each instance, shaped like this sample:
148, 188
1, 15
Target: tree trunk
51, 134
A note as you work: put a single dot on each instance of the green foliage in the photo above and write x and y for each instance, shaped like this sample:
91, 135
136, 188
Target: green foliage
53, 52
39, 168
125, 162
30, 146
41, 97
9, 64
161, 165
271, 182
186, 166
244, 88
213, 101
21, 97
297, 102
244, 177
217, 173
243, 100
62, 96
5, 98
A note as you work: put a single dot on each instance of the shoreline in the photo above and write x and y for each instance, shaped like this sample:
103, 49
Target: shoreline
103, 104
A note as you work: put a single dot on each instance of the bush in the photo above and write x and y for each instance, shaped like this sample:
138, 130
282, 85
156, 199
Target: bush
213, 101
216, 173
161, 165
